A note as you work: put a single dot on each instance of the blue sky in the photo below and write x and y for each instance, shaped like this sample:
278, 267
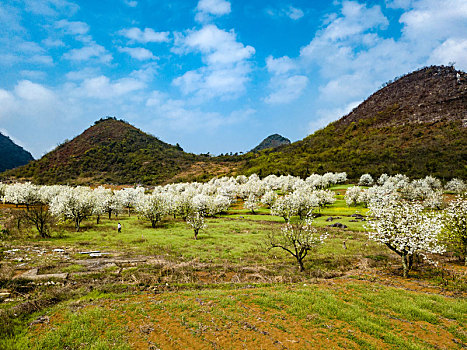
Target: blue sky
212, 75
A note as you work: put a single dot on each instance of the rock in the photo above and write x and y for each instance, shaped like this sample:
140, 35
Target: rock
4, 295
41, 319
330, 218
338, 225
359, 216
58, 250
90, 252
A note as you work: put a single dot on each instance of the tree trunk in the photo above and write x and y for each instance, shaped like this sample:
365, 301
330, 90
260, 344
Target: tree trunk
405, 265
98, 219
153, 223
110, 214
77, 222
128, 211
300, 262
196, 234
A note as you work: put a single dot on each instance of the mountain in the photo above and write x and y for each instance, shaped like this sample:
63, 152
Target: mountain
113, 151
12, 155
272, 141
416, 125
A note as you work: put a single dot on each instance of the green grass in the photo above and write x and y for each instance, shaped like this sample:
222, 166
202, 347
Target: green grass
363, 314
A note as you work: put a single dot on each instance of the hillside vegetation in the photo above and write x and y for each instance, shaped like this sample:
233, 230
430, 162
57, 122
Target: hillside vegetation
113, 151
415, 125
12, 155
272, 141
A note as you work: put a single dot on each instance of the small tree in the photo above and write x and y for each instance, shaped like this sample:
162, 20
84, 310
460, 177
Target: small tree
455, 226
405, 229
196, 221
152, 207
365, 180
297, 239
252, 203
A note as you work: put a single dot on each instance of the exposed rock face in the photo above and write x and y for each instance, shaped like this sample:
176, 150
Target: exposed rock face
272, 141
428, 95
12, 155
416, 125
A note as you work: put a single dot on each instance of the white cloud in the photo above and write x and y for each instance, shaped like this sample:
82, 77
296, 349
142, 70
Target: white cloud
148, 35
102, 87
280, 65
294, 13
287, 89
51, 7
92, 51
72, 28
139, 53
49, 42
33, 74
227, 67
326, 116
208, 8
290, 11
451, 51
131, 3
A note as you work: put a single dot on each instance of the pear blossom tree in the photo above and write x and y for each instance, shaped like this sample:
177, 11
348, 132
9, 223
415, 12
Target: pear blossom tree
405, 229
252, 203
297, 239
455, 226
196, 221
456, 185
74, 203
365, 180
128, 197
152, 207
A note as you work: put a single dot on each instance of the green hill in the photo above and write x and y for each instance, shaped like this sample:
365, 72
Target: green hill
12, 155
113, 151
272, 141
416, 125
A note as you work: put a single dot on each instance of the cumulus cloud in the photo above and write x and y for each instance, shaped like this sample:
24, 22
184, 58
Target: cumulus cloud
138, 53
86, 53
148, 35
328, 115
73, 27
208, 8
51, 7
285, 84
227, 67
102, 87
289, 11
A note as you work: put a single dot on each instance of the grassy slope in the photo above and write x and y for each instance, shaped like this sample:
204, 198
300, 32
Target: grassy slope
113, 151
412, 149
226, 291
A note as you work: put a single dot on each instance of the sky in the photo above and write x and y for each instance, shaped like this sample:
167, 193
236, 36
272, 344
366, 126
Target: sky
214, 76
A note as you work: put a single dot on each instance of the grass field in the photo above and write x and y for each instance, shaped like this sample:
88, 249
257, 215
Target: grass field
161, 289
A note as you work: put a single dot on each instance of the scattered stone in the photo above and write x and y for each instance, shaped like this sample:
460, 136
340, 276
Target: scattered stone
331, 218
356, 215
4, 295
338, 225
90, 252
41, 319
58, 250
98, 254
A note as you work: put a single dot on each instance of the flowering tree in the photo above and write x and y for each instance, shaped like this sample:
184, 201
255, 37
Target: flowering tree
128, 197
284, 207
455, 226
353, 195
297, 239
405, 229
73, 203
152, 207
456, 185
269, 198
251, 203
196, 221
365, 180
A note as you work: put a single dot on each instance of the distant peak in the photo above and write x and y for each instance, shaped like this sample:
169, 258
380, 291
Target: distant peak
272, 141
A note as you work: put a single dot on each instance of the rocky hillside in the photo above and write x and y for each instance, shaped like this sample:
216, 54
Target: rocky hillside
12, 155
415, 125
272, 141
113, 151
